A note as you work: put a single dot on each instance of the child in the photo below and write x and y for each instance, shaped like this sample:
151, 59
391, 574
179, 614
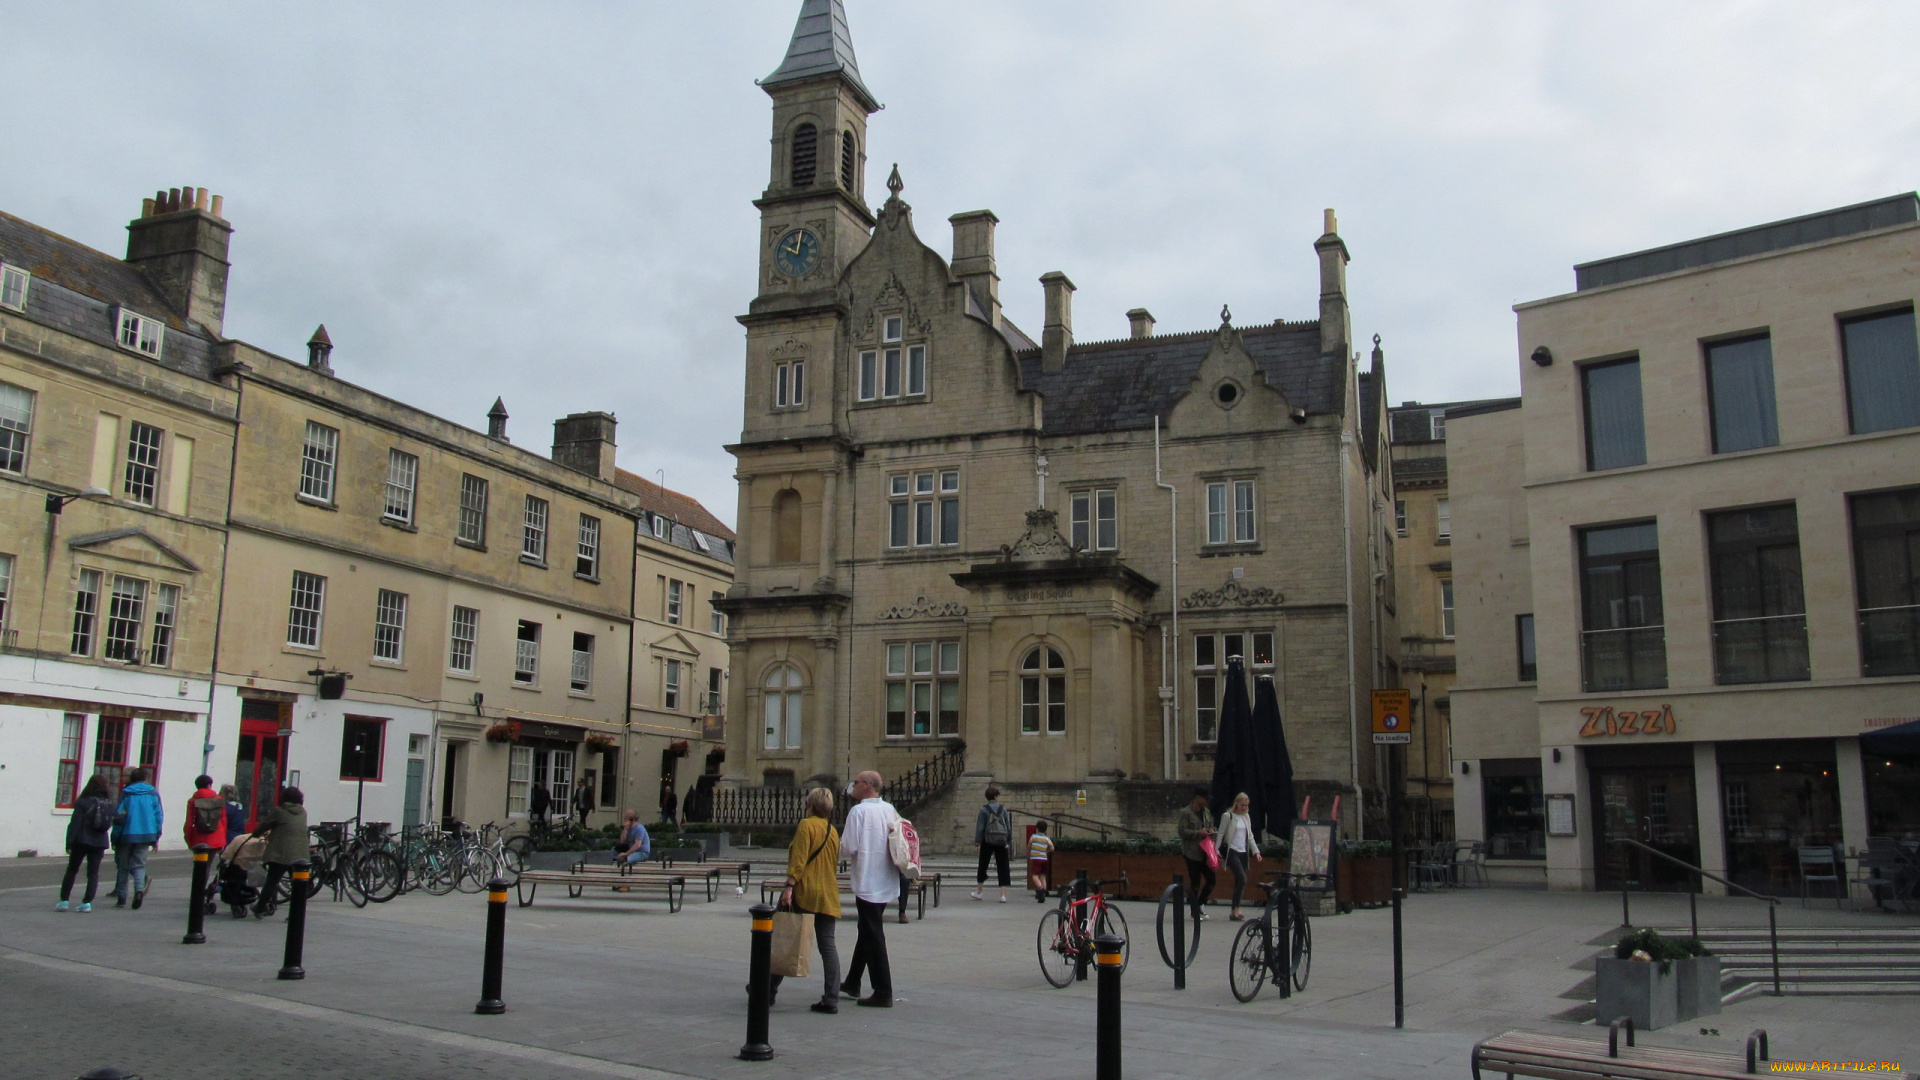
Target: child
1039, 856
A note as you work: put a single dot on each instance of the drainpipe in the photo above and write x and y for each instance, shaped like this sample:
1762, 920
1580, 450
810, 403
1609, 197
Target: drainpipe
1169, 651
1353, 733
226, 544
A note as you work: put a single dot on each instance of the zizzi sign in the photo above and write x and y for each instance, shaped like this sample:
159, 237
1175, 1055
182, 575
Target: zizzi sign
1603, 720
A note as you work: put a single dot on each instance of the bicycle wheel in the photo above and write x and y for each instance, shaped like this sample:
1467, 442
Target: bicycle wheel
1057, 948
480, 868
1248, 970
1112, 921
510, 860
348, 867
381, 873
437, 868
1300, 948
1163, 929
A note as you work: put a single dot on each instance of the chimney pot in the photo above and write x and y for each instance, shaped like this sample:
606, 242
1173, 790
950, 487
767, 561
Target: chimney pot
219, 207
1056, 337
1333, 226
1140, 320
584, 443
320, 351
973, 261
185, 257
146, 208
200, 198
497, 421
173, 199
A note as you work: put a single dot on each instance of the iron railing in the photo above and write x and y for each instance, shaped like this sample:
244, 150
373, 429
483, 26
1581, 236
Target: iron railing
786, 805
920, 784
1693, 909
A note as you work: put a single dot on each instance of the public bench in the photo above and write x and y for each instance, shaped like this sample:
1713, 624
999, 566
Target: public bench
1562, 1057
708, 875
919, 889
578, 881
742, 871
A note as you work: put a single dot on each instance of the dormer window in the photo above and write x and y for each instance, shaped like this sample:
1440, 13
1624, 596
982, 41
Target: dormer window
13, 287
806, 153
659, 527
895, 369
139, 333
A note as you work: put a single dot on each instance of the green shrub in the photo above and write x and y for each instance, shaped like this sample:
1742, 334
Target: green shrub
1658, 946
1366, 849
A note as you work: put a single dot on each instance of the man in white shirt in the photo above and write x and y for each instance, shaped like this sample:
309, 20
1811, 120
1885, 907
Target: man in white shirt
875, 885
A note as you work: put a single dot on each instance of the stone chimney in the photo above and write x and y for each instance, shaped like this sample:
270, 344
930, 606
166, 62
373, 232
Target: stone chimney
180, 240
497, 421
1141, 322
973, 258
1056, 337
319, 349
1334, 332
583, 442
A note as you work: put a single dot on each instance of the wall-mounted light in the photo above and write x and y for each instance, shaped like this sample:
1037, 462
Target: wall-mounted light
1466, 769
332, 683
57, 502
1556, 755
1543, 356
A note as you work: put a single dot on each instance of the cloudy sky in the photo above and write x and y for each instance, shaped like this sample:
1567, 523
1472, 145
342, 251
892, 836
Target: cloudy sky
552, 202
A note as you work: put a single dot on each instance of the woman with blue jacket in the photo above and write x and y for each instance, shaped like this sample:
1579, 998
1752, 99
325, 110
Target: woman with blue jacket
136, 829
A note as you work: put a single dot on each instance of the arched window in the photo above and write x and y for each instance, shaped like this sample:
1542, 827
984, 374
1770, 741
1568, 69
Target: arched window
782, 693
806, 149
786, 526
1043, 691
846, 160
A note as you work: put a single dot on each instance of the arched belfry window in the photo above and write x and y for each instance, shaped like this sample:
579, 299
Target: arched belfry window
786, 526
781, 695
846, 160
1043, 692
806, 152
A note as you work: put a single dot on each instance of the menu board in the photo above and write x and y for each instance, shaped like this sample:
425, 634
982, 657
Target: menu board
1311, 861
1560, 815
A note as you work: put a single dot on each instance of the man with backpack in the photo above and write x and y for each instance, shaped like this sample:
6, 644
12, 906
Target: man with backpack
136, 829
206, 816
993, 831
867, 842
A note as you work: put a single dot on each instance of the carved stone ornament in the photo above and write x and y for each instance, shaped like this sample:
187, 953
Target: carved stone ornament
790, 349
1233, 594
922, 608
1042, 540
893, 294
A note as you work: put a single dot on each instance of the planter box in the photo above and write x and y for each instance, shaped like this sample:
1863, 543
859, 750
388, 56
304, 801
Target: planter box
1365, 882
1149, 875
1698, 986
564, 860
1100, 866
1637, 989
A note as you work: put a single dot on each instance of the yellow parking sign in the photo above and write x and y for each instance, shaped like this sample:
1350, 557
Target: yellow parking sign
1392, 716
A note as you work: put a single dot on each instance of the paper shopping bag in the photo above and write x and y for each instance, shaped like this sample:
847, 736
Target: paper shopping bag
792, 943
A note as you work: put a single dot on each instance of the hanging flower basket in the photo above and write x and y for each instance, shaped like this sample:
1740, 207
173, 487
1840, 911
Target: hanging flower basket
678, 749
600, 741
504, 732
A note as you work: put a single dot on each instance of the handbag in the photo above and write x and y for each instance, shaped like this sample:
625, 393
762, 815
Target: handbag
1212, 852
792, 955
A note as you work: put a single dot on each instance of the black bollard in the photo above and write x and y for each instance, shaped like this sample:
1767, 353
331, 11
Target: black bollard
490, 1002
759, 986
1108, 959
296, 921
197, 906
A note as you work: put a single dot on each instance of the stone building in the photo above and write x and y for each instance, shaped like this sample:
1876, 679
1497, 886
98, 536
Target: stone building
1689, 556
953, 535
116, 426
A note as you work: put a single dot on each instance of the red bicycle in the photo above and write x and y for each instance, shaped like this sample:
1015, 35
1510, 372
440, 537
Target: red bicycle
1066, 935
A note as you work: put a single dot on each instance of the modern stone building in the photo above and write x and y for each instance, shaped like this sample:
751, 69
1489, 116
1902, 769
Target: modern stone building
1044, 550
1690, 556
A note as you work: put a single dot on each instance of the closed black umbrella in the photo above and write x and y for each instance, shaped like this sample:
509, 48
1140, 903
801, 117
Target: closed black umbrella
1273, 802
1236, 764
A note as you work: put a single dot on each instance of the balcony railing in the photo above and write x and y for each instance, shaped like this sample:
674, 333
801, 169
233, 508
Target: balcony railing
1768, 648
1890, 640
1628, 658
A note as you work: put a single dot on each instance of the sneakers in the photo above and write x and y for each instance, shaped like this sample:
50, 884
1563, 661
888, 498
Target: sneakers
1003, 896
61, 906
83, 908
976, 894
139, 898
1203, 916
119, 901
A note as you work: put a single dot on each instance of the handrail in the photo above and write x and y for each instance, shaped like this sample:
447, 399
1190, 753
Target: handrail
1689, 866
1087, 823
1693, 911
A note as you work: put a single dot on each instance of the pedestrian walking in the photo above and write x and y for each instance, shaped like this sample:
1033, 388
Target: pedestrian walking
206, 816
583, 801
668, 802
236, 813
1195, 825
993, 831
1040, 861
876, 883
88, 834
813, 889
285, 828
539, 803
1237, 845
136, 831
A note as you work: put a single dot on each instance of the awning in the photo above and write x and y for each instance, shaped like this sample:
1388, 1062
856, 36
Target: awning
1899, 739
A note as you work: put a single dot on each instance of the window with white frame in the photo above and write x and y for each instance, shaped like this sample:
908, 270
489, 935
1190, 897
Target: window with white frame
1400, 516
660, 527
304, 610
1438, 418
580, 679
586, 556
533, 530
1446, 607
675, 601
895, 369
139, 333
781, 697
1230, 512
1093, 520
923, 688
717, 619
86, 611
166, 619
672, 681
73, 736
1211, 651
473, 511
319, 454
923, 509
126, 616
16, 426
519, 779
403, 472
6, 588
712, 704
789, 384
14, 282
1043, 691
1443, 520
390, 626
142, 478
526, 653
461, 641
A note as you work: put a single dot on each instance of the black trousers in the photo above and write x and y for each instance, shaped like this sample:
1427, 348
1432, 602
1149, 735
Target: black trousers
1200, 882
275, 871
91, 856
870, 951
998, 853
1237, 862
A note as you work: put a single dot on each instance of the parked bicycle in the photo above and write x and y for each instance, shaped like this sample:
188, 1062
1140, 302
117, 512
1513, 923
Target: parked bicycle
1065, 940
1277, 945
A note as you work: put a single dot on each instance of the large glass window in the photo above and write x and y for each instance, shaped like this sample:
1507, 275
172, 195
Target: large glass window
143, 463
110, 749
14, 283
1230, 512
16, 427
303, 611
1211, 651
362, 740
1446, 607
923, 688
672, 684
166, 618
126, 615
1623, 634
473, 510
86, 610
319, 452
1515, 808
1094, 520
1883, 372
1043, 692
1759, 610
1616, 428
460, 645
533, 531
1443, 520
1886, 557
390, 626
403, 473
586, 557
923, 509
1740, 384
6, 588
781, 697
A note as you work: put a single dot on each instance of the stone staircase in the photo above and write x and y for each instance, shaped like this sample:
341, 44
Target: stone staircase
1834, 960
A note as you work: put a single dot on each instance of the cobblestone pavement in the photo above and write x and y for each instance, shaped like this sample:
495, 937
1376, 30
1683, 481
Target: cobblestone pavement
609, 985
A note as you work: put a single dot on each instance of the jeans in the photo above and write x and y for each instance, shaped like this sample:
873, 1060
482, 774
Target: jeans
998, 853
870, 951
1237, 862
636, 857
91, 856
130, 861
829, 957
1200, 882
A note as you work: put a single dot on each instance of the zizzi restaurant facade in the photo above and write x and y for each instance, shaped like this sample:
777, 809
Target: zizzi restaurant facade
1688, 562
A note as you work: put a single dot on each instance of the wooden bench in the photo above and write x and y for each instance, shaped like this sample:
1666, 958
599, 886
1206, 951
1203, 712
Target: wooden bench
708, 875
577, 882
1561, 1057
773, 885
742, 871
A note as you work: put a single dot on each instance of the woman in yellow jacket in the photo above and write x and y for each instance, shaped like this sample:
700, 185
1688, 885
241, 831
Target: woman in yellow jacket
813, 886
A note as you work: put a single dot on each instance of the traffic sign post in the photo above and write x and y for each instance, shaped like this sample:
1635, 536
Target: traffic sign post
1393, 727
1392, 717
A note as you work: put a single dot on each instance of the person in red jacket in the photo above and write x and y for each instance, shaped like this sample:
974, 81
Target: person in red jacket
206, 815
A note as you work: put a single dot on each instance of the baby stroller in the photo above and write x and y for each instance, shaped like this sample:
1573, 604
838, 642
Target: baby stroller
239, 874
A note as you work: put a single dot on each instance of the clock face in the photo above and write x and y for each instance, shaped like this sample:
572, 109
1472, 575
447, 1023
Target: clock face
796, 253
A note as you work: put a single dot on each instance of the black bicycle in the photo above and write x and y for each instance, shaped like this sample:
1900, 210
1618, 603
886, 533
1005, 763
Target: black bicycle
1277, 945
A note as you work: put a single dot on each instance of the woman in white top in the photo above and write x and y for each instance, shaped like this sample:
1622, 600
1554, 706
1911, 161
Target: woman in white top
1236, 846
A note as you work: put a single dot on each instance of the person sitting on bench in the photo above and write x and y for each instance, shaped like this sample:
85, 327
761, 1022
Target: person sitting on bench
635, 845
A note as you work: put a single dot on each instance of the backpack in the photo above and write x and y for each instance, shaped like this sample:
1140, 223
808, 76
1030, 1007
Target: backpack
999, 830
209, 814
903, 847
99, 816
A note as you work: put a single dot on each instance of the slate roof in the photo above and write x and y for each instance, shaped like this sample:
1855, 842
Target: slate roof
684, 510
821, 45
1124, 384
1412, 422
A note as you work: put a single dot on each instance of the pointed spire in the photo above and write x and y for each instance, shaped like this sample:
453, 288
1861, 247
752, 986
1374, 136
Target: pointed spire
894, 183
497, 420
1226, 316
319, 349
822, 46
